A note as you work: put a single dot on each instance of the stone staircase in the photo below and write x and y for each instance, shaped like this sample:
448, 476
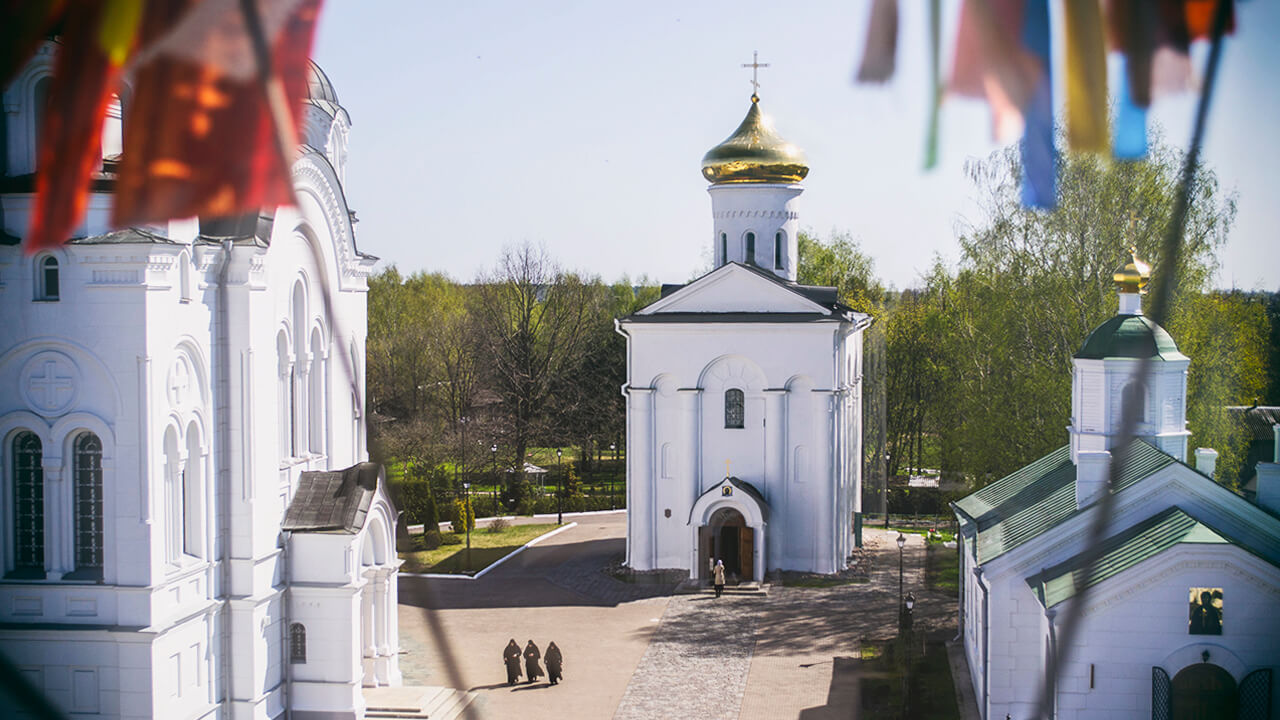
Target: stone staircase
416, 701
697, 587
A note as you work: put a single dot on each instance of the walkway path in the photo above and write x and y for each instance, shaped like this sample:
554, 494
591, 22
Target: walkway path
632, 651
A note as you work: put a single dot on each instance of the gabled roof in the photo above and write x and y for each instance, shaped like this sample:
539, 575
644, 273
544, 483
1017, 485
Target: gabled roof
1143, 541
742, 486
1025, 504
1256, 420
776, 300
335, 500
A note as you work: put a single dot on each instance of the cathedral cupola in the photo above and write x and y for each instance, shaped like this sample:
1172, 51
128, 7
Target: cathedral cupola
1103, 375
755, 153
755, 178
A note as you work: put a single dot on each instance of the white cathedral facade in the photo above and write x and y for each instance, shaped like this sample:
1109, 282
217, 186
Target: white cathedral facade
744, 390
178, 538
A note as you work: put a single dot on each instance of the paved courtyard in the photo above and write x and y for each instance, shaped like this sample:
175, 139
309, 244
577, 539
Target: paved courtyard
636, 651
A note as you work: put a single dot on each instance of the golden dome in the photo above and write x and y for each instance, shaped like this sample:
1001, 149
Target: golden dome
754, 153
1134, 276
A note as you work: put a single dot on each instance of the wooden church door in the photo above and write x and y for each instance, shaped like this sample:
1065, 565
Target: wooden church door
746, 552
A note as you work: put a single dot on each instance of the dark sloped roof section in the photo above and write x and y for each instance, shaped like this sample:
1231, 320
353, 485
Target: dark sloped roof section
751, 490
126, 236
827, 297
731, 317
1129, 336
1256, 420
335, 500
1021, 506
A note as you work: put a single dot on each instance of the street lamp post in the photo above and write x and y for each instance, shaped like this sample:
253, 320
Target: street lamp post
559, 489
460, 470
613, 494
493, 451
906, 623
466, 519
886, 491
902, 542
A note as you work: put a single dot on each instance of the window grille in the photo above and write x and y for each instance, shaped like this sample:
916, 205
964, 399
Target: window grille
733, 408
88, 502
297, 643
28, 503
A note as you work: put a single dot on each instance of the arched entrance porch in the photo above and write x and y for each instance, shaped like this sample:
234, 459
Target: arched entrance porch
727, 537
728, 523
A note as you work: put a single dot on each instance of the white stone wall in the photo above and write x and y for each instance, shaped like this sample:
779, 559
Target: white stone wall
760, 208
1134, 621
795, 446
131, 346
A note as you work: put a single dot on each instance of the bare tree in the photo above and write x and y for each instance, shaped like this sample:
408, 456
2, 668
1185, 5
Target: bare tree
530, 327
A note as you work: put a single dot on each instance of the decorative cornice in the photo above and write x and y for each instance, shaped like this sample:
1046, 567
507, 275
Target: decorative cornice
767, 214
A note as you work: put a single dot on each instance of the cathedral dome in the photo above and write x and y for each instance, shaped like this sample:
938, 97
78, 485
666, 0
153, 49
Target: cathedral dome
319, 87
1129, 336
754, 153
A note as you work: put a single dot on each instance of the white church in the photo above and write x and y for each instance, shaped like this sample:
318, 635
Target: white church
1181, 617
744, 390
180, 538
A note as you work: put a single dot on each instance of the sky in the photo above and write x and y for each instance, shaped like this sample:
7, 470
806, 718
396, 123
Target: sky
580, 125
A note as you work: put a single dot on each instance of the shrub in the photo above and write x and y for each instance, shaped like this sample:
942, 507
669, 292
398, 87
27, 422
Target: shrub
431, 540
498, 525
463, 517
450, 539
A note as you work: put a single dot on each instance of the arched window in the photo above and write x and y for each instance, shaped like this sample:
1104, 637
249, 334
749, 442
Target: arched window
777, 250
733, 408
87, 471
1135, 393
285, 399
750, 259
174, 482
47, 278
192, 502
298, 644
184, 278
724, 248
28, 506
316, 401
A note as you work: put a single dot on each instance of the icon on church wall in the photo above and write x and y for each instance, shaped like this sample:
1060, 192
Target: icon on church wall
726, 491
1206, 611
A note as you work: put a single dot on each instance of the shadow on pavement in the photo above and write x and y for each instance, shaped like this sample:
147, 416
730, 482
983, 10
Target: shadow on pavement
842, 697
568, 574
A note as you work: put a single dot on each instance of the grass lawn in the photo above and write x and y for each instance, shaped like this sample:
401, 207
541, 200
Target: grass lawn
928, 691
487, 547
942, 570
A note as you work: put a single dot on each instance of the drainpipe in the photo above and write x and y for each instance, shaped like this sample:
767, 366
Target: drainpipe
960, 564
286, 647
223, 411
986, 640
1049, 614
617, 327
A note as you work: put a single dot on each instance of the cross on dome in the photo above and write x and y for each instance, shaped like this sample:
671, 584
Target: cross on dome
755, 66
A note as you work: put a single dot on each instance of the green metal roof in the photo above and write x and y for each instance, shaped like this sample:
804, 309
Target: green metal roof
1145, 540
1129, 336
1021, 506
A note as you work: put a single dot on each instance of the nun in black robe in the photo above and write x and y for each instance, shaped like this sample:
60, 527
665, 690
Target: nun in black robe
555, 663
511, 656
532, 655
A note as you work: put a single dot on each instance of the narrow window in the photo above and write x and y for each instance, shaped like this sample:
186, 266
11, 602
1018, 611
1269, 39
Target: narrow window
47, 278
724, 248
777, 250
297, 644
1206, 611
28, 506
87, 465
733, 411
751, 249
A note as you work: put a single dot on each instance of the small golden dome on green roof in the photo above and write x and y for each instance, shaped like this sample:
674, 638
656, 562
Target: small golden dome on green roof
1133, 276
754, 153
